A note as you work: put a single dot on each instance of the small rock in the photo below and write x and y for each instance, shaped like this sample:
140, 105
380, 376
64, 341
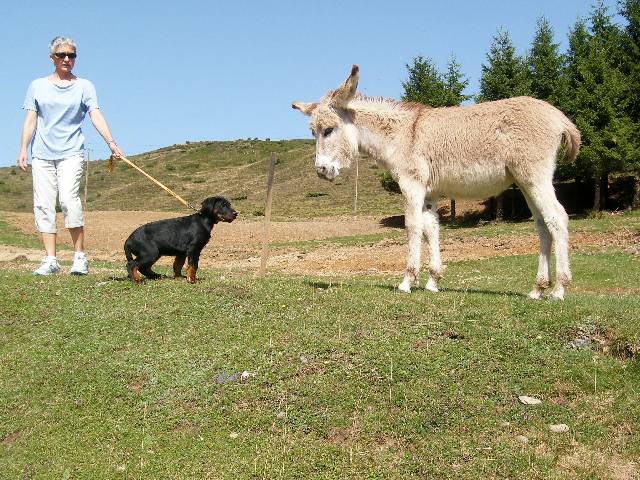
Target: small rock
304, 359
244, 376
233, 435
505, 424
281, 415
524, 399
580, 343
559, 428
522, 439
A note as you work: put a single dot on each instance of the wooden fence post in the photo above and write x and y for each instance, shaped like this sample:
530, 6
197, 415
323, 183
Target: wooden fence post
355, 197
267, 215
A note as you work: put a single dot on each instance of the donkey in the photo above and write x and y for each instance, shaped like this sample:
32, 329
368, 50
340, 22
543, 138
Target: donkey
474, 151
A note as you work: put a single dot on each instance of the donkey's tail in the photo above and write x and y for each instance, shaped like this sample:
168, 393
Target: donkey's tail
571, 139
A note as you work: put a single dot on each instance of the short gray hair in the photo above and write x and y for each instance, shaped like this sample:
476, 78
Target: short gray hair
56, 42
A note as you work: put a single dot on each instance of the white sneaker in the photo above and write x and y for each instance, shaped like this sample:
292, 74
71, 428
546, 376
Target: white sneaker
80, 264
49, 266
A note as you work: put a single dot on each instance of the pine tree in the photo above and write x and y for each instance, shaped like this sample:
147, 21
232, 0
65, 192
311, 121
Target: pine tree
428, 86
425, 84
455, 84
505, 74
630, 10
544, 65
596, 100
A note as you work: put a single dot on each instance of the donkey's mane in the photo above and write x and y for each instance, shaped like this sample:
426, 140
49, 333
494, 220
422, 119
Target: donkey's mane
361, 100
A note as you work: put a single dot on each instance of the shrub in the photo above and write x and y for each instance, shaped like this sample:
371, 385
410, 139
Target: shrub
388, 183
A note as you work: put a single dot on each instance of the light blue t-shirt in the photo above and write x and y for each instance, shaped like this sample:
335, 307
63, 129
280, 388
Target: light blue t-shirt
61, 111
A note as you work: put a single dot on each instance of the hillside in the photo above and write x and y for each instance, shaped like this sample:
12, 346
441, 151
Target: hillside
234, 169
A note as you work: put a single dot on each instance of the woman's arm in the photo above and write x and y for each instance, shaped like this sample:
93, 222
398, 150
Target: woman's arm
101, 126
28, 129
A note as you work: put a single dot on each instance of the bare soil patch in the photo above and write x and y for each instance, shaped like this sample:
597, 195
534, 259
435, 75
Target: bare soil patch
237, 246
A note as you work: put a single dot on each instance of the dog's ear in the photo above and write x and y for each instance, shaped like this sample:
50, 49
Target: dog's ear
208, 207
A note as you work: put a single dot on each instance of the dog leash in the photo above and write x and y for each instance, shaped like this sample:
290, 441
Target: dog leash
167, 189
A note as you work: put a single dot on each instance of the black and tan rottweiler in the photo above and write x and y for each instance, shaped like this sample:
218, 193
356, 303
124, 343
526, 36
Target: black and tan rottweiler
182, 237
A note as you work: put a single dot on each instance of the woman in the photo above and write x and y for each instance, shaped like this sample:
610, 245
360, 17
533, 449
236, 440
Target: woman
55, 108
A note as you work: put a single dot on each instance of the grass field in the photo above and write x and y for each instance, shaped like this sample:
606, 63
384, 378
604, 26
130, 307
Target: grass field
344, 377
332, 377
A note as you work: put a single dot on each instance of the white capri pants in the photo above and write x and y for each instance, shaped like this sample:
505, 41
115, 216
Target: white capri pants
57, 178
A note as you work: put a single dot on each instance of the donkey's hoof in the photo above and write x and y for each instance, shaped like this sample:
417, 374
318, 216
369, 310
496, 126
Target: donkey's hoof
404, 288
535, 294
431, 286
556, 295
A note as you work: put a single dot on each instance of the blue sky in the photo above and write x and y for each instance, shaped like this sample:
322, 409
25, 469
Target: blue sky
168, 72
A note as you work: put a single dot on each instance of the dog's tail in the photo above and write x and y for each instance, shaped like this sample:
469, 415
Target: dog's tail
129, 255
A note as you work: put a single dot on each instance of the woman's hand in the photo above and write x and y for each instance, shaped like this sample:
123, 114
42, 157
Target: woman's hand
21, 162
115, 150
28, 129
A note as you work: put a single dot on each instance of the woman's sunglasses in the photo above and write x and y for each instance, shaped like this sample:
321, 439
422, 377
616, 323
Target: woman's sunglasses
61, 55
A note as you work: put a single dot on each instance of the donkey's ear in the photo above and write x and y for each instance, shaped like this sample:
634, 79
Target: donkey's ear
306, 108
345, 92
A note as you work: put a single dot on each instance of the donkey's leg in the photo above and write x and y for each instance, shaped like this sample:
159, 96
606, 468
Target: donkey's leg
557, 222
431, 229
413, 194
542, 278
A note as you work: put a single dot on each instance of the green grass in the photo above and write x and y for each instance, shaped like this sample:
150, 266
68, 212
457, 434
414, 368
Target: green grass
607, 223
359, 240
349, 379
10, 235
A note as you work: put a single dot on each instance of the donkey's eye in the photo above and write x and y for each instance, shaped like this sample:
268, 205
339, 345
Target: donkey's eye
313, 134
327, 132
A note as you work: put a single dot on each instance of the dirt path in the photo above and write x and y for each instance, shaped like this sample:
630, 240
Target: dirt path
237, 246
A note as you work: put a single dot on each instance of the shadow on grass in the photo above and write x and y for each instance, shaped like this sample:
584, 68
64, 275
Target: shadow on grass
147, 279
322, 285
480, 291
392, 287
116, 279
472, 219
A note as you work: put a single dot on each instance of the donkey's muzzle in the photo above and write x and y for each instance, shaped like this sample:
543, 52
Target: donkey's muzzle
327, 172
